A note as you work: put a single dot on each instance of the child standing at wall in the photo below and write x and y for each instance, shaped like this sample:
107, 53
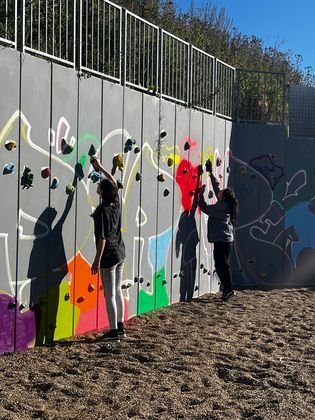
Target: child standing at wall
222, 218
110, 251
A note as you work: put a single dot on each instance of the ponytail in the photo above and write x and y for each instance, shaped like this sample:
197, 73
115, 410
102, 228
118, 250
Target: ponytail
229, 197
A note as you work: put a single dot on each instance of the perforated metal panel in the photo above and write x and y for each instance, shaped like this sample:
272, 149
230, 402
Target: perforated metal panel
302, 111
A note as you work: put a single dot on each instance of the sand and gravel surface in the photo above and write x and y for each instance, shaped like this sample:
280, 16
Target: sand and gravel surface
250, 358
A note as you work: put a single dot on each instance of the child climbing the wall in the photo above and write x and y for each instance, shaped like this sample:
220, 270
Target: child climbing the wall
110, 251
221, 221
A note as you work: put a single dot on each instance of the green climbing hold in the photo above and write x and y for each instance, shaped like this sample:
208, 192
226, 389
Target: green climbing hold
164, 282
70, 189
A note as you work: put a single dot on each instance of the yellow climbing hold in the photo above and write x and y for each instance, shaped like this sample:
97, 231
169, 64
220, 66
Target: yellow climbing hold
118, 162
10, 145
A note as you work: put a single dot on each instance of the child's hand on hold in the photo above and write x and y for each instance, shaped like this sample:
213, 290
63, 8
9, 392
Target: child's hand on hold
209, 166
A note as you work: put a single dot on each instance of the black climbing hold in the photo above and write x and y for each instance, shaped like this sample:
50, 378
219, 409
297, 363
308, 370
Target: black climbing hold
135, 280
22, 306
141, 280
196, 288
123, 286
137, 150
205, 270
92, 151
27, 178
148, 284
138, 176
166, 192
66, 148
67, 296
209, 273
161, 178
185, 171
201, 266
12, 305
119, 184
170, 161
79, 171
164, 282
187, 146
219, 161
175, 275
163, 134
228, 169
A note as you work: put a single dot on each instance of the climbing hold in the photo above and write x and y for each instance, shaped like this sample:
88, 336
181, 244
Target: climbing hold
141, 280
79, 171
70, 189
101, 287
194, 176
157, 276
163, 134
161, 178
12, 305
91, 287
128, 285
209, 273
66, 148
128, 145
164, 282
166, 192
67, 296
205, 270
220, 176
187, 146
201, 266
8, 169
170, 161
55, 183
137, 150
250, 261
243, 169
95, 176
185, 171
138, 176
27, 178
175, 275
92, 159
218, 161
135, 280
118, 162
200, 170
191, 193
228, 169
196, 288
46, 172
80, 299
10, 145
148, 284
119, 184
22, 306
92, 151
123, 287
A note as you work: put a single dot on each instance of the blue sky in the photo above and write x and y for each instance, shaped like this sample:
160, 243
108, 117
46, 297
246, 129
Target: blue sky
287, 24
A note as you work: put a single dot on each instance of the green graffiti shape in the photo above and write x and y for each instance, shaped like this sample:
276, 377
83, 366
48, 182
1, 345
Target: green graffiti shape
159, 297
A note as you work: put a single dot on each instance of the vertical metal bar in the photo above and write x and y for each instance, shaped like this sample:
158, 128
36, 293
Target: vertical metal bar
98, 37
188, 78
67, 30
86, 31
92, 35
180, 68
115, 52
38, 27
60, 42
6, 21
109, 42
53, 28
31, 25
134, 50
104, 46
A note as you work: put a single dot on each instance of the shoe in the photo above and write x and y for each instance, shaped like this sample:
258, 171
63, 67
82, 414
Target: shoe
121, 330
227, 295
110, 335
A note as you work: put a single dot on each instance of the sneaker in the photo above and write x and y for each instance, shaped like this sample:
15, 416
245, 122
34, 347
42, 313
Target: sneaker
227, 295
110, 335
121, 330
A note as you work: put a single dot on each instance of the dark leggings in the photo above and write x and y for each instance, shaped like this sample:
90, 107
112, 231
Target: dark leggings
221, 254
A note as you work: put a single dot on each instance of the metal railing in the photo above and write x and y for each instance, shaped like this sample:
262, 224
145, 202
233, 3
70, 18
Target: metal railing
141, 53
8, 22
175, 68
224, 88
202, 78
260, 96
100, 38
49, 29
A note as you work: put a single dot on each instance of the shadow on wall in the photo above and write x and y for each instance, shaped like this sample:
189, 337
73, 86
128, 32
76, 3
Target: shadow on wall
187, 240
47, 268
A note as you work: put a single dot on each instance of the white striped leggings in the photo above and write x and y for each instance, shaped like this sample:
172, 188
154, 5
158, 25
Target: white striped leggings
112, 280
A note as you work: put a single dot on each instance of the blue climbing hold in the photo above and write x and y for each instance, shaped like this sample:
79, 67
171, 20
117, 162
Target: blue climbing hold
54, 183
8, 169
95, 176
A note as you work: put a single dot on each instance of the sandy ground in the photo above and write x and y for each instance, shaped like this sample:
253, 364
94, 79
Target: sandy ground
250, 358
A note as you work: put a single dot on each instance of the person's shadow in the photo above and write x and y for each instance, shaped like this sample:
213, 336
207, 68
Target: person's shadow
187, 240
47, 268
